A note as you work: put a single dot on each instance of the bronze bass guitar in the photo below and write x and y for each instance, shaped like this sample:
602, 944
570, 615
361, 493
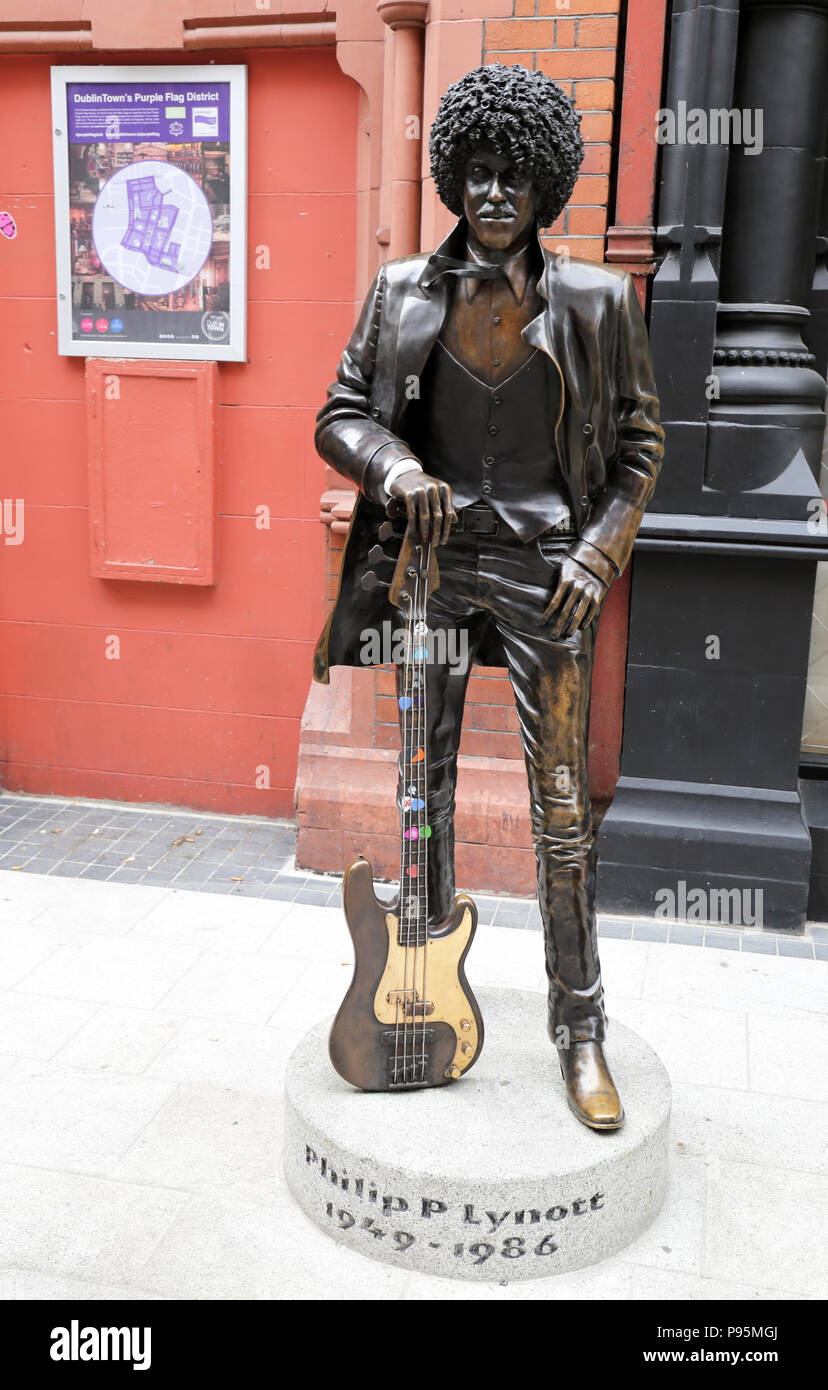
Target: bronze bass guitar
409, 1019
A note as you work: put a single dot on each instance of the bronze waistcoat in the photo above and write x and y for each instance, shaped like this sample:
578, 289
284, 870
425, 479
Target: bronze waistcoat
491, 444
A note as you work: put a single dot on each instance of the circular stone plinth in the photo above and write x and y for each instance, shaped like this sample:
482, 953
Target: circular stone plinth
491, 1177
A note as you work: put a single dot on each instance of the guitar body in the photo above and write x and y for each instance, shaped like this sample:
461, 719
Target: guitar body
409, 1019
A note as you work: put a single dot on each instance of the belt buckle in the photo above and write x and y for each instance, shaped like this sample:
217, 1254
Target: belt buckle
482, 521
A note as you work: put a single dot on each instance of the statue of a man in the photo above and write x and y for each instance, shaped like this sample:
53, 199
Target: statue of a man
505, 396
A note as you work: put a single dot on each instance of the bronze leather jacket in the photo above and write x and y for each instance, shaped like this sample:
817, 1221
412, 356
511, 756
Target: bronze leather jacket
608, 437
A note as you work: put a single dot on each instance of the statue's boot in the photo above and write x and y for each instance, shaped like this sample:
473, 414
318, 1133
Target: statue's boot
590, 1089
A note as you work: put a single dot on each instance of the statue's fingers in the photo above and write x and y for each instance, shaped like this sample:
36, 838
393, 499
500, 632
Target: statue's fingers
555, 601
578, 616
436, 517
421, 514
448, 513
565, 612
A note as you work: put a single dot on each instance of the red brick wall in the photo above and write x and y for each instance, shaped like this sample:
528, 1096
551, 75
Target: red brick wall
575, 44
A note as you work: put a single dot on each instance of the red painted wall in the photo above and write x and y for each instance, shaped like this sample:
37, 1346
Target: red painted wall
210, 684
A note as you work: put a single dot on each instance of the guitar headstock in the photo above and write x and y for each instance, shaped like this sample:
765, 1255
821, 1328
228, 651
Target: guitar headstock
416, 574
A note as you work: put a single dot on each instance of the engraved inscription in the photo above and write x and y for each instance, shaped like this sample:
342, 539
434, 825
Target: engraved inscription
509, 1234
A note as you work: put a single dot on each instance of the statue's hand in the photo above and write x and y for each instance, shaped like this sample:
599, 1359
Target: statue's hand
576, 600
428, 503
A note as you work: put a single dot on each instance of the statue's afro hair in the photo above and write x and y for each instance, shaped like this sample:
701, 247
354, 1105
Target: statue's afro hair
518, 112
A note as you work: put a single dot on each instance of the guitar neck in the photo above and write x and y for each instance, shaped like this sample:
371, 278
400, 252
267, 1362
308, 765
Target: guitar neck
415, 831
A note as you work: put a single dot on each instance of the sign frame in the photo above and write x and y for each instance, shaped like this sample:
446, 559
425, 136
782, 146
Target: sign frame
234, 347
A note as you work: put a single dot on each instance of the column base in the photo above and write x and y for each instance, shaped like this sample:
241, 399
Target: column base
739, 856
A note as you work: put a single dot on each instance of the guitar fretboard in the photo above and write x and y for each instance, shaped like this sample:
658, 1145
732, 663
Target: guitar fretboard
415, 830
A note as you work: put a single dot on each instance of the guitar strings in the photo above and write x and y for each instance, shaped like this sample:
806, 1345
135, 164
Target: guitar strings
414, 857
414, 843
419, 667
403, 906
424, 834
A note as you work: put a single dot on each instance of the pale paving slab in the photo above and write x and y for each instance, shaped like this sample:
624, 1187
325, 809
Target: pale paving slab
76, 1121
648, 1284
749, 1127
23, 896
26, 1284
243, 1057
105, 912
608, 1281
111, 970
23, 947
622, 970
119, 1039
87, 1228
209, 921
519, 966
32, 1025
66, 1234
764, 1227
771, 1054
317, 994
308, 933
245, 986
730, 979
219, 1142
223, 1248
675, 1241
696, 1044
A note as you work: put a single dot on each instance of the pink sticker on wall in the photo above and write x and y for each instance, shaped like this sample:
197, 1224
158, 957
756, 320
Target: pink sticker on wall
8, 226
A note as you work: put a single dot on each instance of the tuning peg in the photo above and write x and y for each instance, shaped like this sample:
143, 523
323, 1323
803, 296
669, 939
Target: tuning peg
395, 507
369, 581
377, 555
386, 531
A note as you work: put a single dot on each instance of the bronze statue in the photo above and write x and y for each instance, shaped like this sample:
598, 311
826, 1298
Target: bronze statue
505, 396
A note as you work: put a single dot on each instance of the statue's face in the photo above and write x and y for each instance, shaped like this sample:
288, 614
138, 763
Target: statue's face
498, 200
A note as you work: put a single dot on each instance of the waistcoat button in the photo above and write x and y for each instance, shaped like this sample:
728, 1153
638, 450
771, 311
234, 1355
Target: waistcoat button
587, 429
497, 400
375, 413
487, 488
492, 429
495, 361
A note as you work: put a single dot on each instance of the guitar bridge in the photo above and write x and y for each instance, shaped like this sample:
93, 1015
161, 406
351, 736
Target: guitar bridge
407, 1072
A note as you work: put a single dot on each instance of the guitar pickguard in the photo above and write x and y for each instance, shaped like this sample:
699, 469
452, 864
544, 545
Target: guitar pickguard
415, 979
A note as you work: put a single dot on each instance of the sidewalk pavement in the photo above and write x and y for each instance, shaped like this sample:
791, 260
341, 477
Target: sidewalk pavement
144, 1033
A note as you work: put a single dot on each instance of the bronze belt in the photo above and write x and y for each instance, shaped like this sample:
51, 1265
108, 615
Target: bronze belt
483, 521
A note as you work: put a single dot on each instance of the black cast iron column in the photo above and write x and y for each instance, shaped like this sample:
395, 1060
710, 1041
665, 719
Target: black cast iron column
723, 571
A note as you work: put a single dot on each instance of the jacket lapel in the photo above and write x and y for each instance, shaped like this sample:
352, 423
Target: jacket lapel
540, 332
548, 332
421, 318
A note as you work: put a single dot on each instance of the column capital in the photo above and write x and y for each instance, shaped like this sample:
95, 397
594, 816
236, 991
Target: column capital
403, 14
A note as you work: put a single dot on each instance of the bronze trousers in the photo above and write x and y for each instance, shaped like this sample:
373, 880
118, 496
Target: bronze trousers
503, 580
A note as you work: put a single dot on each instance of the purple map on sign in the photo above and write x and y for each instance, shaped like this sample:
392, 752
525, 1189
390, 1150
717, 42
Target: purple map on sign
151, 221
